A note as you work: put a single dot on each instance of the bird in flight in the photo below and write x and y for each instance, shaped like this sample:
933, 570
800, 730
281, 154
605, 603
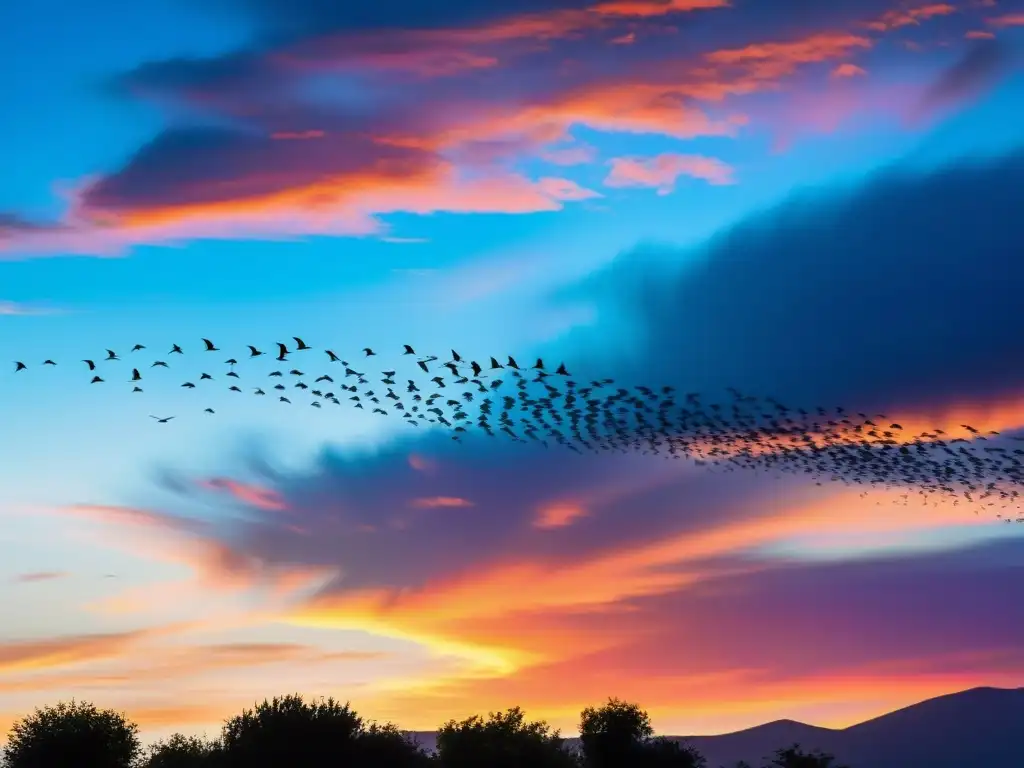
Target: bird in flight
112, 355
300, 344
253, 352
210, 346
138, 348
175, 349
19, 366
161, 421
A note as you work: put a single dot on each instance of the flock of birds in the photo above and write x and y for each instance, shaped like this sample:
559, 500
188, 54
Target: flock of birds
533, 403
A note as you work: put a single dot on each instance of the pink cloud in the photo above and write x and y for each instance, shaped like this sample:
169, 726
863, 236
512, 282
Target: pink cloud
436, 502
847, 69
253, 495
1006, 20
663, 170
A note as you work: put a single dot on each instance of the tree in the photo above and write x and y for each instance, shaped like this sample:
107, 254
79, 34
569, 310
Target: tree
72, 733
181, 751
503, 740
290, 731
668, 753
614, 735
387, 745
794, 757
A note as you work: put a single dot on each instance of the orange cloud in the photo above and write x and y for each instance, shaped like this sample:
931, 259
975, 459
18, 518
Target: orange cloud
663, 170
421, 463
848, 70
435, 502
898, 18
253, 495
214, 565
31, 655
345, 204
559, 515
651, 8
978, 34
811, 49
513, 623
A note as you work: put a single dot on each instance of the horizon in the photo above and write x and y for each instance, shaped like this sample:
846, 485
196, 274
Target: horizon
815, 204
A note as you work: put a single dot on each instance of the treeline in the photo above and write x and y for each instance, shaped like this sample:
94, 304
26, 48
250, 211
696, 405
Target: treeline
290, 732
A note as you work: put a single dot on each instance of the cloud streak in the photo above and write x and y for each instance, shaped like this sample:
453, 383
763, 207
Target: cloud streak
332, 133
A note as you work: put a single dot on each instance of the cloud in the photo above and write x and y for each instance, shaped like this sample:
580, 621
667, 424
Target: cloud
903, 17
846, 69
663, 170
16, 309
332, 133
254, 495
192, 543
434, 502
1006, 20
808, 304
34, 576
630, 570
978, 70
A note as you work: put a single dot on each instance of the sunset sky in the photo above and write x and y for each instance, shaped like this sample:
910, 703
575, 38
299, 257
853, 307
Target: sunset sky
816, 201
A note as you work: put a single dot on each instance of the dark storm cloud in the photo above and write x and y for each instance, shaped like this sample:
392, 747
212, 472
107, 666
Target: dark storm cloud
904, 291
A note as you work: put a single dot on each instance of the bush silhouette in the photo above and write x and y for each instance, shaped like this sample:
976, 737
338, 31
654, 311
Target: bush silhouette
72, 734
503, 740
180, 751
794, 757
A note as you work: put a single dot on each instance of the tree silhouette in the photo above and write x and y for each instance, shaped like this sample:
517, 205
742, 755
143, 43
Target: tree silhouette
668, 753
794, 757
180, 751
289, 731
387, 745
614, 735
503, 740
72, 734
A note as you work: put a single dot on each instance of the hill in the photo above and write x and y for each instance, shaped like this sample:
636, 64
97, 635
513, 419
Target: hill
978, 728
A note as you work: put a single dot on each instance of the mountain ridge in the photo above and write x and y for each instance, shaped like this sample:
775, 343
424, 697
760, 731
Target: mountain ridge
973, 728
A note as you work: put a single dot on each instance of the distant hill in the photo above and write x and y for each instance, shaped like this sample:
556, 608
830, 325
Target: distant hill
977, 728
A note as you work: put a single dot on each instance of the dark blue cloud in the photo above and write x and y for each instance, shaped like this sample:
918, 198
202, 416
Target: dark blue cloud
903, 291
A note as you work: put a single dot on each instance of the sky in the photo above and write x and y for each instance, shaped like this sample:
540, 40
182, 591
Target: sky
814, 201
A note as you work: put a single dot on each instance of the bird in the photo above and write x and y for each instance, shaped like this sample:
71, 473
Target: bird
301, 344
138, 348
19, 366
175, 349
208, 410
408, 350
96, 380
48, 362
189, 385
91, 364
209, 346
368, 351
161, 420
333, 357
562, 371
253, 352
136, 376
112, 355
160, 364
282, 351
